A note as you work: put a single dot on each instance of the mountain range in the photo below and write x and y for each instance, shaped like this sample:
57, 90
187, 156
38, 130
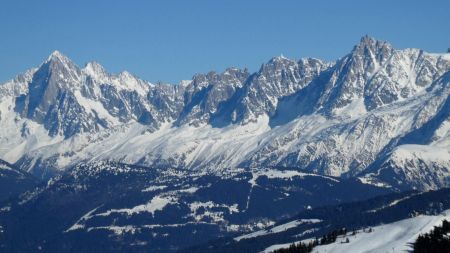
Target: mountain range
378, 113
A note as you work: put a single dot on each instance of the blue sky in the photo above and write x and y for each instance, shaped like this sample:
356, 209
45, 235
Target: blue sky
172, 40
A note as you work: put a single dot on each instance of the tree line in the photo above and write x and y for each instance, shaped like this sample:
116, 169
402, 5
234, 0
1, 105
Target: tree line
303, 247
435, 241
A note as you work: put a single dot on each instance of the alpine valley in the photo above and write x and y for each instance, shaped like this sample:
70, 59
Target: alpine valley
232, 161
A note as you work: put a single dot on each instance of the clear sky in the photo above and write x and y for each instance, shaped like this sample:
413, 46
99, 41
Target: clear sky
172, 40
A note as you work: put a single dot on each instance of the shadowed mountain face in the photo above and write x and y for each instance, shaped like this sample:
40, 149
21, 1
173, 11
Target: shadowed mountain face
361, 116
13, 181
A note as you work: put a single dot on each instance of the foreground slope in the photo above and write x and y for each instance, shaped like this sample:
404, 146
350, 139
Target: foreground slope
425, 208
113, 207
397, 236
393, 237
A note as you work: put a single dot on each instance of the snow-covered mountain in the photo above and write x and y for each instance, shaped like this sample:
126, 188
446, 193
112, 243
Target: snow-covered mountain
378, 113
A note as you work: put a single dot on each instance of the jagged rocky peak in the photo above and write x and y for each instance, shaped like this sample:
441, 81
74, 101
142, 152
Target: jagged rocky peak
56, 55
314, 63
278, 78
205, 92
276, 65
200, 81
369, 44
281, 59
231, 76
18, 85
286, 76
312, 67
406, 73
61, 67
68, 100
125, 75
367, 56
124, 80
47, 87
236, 76
95, 70
375, 74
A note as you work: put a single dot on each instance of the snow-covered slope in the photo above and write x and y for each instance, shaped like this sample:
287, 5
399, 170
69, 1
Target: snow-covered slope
345, 118
393, 237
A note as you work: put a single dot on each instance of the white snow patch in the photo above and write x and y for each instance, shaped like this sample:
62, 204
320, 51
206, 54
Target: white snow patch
118, 230
78, 224
277, 229
372, 181
96, 108
424, 152
282, 174
355, 109
215, 215
190, 190
156, 204
154, 188
393, 203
